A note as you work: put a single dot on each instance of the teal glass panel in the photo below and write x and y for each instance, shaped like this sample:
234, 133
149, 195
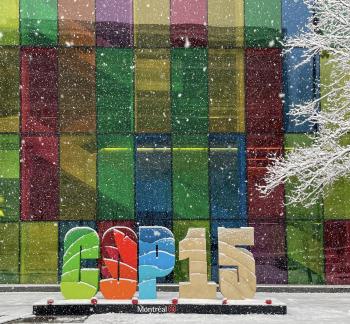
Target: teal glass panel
39, 252
38, 22
180, 229
9, 22
9, 90
9, 253
190, 177
189, 88
115, 177
305, 253
9, 178
263, 23
299, 211
114, 90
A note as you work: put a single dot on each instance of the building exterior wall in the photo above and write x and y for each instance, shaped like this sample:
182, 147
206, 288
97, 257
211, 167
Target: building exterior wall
122, 112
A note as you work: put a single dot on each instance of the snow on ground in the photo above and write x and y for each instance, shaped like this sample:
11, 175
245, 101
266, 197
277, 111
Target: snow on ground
312, 308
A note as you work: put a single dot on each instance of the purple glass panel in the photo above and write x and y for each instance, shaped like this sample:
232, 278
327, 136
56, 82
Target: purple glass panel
114, 23
269, 253
189, 20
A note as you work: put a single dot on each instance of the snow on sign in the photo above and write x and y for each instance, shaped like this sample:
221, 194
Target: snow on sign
122, 264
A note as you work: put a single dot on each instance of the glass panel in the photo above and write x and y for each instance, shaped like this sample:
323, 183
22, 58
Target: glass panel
115, 90
259, 149
263, 91
269, 253
76, 22
337, 252
115, 177
114, 23
299, 86
39, 253
39, 90
305, 253
190, 177
9, 178
189, 90
337, 202
153, 178
9, 89
152, 86
189, 20
214, 224
226, 23
9, 253
64, 227
77, 89
299, 211
180, 230
39, 178
9, 22
227, 177
77, 177
151, 23
226, 90
38, 22
263, 23
295, 15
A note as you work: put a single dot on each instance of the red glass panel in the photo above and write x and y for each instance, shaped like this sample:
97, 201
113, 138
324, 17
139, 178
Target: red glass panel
39, 93
337, 252
270, 253
39, 181
259, 149
189, 23
263, 91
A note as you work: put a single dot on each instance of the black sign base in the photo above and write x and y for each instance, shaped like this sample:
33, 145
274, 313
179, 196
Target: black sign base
181, 308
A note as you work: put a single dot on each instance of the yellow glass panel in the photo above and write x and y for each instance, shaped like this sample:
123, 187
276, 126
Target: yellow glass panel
9, 22
226, 90
152, 83
151, 23
226, 23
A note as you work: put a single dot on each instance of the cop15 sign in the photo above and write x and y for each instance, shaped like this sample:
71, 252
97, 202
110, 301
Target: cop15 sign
128, 262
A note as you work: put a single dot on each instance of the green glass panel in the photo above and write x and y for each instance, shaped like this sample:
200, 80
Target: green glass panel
115, 177
190, 177
9, 90
336, 201
180, 229
189, 88
38, 22
9, 178
299, 211
39, 252
152, 91
263, 23
114, 90
305, 253
77, 177
9, 253
9, 22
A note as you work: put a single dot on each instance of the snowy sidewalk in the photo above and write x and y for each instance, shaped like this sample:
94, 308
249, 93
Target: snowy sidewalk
310, 308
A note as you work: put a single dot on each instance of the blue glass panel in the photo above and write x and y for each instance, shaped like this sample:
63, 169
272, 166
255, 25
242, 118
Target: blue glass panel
214, 241
227, 172
299, 87
64, 227
295, 16
153, 174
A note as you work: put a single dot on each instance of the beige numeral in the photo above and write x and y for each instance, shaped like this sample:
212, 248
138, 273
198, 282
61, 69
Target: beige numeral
193, 247
238, 282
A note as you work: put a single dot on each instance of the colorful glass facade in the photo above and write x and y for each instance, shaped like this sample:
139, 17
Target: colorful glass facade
130, 112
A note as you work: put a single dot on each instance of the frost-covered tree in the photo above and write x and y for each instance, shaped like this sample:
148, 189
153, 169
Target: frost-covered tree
314, 169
